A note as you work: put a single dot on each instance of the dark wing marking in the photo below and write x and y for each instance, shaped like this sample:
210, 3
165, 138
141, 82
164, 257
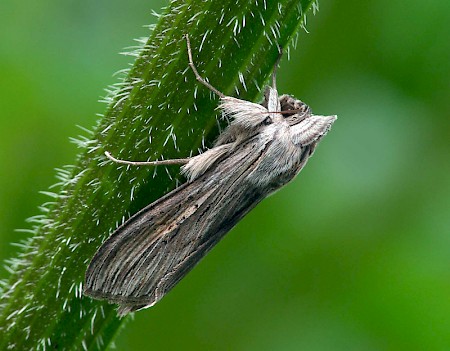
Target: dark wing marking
144, 258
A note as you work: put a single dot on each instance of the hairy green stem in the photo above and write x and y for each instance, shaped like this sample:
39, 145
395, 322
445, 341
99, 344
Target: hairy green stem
158, 111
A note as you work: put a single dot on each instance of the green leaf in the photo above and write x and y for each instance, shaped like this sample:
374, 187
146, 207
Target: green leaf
158, 111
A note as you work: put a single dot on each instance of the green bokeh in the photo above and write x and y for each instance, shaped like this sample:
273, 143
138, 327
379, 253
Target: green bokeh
353, 255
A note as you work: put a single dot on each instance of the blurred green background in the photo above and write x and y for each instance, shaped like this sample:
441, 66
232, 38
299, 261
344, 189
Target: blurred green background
353, 255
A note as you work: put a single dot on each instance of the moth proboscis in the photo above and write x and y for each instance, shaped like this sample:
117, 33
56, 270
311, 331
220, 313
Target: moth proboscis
264, 147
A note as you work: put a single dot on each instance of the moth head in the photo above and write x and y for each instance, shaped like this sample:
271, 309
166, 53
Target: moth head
305, 128
311, 129
248, 118
293, 110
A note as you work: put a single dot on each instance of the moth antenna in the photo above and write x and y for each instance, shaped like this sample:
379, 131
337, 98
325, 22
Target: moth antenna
175, 161
197, 75
275, 67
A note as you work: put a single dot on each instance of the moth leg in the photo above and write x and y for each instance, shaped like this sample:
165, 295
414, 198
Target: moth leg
175, 161
197, 75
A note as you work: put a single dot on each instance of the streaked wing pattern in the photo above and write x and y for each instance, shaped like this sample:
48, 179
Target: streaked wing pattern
159, 245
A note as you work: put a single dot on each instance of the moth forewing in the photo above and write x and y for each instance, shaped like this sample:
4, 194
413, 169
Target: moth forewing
155, 248
263, 148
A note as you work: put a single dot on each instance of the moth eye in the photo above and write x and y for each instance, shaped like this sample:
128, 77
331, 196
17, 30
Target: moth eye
267, 121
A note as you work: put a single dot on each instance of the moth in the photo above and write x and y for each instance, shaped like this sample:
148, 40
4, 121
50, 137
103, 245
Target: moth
264, 147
